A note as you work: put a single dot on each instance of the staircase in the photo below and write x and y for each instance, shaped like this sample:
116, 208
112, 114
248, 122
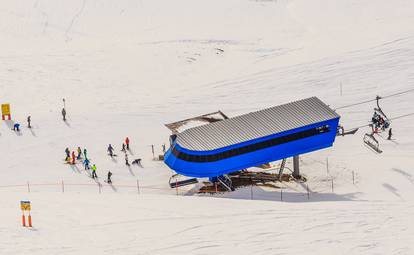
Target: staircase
282, 166
226, 182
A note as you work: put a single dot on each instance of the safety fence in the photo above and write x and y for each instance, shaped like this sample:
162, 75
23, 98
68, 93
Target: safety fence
322, 189
62, 186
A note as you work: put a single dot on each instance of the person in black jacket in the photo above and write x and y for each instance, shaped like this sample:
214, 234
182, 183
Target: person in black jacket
389, 134
111, 150
67, 154
109, 177
64, 114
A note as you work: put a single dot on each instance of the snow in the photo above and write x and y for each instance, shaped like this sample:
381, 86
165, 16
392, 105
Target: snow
85, 223
128, 67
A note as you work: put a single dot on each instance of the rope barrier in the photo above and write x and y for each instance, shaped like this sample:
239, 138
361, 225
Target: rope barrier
58, 184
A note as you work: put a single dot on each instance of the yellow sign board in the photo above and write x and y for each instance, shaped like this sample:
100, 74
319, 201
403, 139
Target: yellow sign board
5, 109
25, 205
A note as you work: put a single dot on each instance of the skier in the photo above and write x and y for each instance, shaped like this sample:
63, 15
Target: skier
127, 143
84, 153
79, 153
73, 158
137, 162
111, 150
67, 154
94, 172
375, 117
123, 147
64, 114
389, 134
126, 159
29, 119
86, 163
381, 123
109, 177
16, 127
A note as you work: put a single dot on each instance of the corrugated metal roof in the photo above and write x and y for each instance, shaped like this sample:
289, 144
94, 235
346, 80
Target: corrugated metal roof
256, 125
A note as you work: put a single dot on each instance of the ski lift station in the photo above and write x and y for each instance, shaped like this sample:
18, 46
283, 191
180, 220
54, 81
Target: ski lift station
253, 139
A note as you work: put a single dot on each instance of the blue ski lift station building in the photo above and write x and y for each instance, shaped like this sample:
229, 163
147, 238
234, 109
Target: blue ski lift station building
253, 139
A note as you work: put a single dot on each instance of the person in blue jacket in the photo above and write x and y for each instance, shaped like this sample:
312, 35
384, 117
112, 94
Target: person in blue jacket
16, 127
86, 163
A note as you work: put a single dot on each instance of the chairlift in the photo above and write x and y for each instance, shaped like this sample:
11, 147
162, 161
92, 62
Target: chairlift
381, 115
178, 180
372, 142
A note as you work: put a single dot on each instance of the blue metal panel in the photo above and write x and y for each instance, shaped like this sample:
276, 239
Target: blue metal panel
239, 162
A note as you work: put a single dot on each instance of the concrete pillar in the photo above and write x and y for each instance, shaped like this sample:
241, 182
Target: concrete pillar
296, 172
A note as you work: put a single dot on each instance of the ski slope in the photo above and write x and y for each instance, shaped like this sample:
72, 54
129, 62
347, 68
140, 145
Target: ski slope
128, 67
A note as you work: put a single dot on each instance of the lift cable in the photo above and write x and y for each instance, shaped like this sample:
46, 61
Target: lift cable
373, 100
398, 117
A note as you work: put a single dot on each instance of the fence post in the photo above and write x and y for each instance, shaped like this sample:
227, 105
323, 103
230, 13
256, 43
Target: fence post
353, 177
138, 187
99, 185
153, 152
63, 187
28, 187
281, 194
176, 186
327, 166
307, 188
251, 188
332, 185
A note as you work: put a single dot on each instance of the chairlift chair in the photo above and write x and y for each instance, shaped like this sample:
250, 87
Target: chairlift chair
378, 110
372, 142
178, 180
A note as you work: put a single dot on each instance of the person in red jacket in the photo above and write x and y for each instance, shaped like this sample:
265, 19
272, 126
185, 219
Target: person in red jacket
127, 143
73, 157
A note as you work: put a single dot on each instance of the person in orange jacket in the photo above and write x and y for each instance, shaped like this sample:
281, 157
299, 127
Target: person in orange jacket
73, 157
127, 143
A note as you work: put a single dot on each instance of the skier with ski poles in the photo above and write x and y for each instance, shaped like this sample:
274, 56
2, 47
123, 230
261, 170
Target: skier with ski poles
29, 120
389, 134
111, 150
109, 181
126, 159
67, 154
79, 153
94, 172
86, 163
127, 143
64, 114
73, 158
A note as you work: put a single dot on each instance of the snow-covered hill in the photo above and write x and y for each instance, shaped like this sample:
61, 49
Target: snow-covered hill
127, 67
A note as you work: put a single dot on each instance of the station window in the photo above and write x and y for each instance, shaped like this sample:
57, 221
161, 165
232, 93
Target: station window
251, 147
